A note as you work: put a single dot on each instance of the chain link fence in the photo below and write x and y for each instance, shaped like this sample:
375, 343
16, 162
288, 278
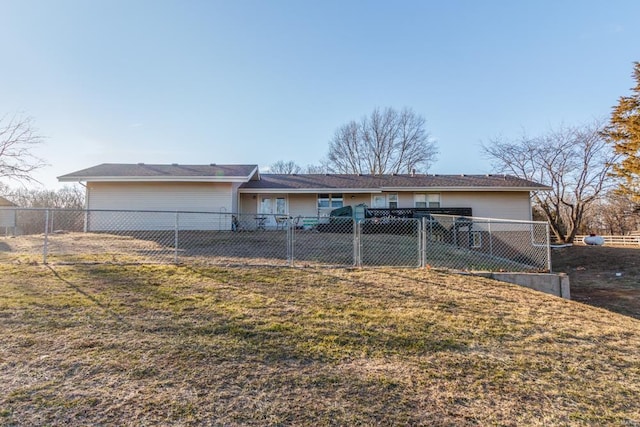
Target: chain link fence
104, 236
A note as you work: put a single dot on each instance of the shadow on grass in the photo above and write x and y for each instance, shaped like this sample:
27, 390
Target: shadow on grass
333, 329
87, 295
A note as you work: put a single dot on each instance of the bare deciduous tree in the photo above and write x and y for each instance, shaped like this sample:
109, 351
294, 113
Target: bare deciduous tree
321, 168
386, 141
67, 197
17, 139
285, 167
573, 161
613, 214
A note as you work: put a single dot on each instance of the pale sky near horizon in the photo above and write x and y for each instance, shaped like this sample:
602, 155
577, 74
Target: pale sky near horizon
254, 82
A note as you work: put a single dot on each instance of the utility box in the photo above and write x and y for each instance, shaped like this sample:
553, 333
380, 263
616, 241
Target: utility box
359, 212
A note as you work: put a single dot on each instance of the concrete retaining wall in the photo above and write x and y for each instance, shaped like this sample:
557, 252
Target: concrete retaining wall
550, 283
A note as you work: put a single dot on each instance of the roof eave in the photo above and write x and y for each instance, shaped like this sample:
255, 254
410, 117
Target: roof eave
309, 190
388, 189
240, 179
462, 188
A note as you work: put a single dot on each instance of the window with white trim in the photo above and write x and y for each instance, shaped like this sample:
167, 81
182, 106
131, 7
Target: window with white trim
330, 201
426, 200
336, 201
393, 200
379, 201
324, 201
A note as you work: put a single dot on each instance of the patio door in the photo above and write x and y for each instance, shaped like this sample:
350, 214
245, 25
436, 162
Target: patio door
270, 207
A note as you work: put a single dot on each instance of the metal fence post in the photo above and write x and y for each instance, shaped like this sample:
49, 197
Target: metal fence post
175, 239
290, 241
423, 242
46, 236
546, 226
357, 249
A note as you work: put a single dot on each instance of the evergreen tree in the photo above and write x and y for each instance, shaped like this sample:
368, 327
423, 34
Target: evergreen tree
624, 133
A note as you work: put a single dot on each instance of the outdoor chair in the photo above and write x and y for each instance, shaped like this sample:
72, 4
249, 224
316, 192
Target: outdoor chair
281, 221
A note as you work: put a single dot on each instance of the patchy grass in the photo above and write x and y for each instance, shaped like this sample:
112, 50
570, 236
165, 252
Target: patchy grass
603, 276
265, 248
171, 345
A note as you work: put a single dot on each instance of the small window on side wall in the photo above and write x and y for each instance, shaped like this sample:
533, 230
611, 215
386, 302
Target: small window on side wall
476, 239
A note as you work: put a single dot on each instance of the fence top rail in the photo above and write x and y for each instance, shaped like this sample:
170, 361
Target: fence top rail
84, 210
613, 238
493, 220
17, 208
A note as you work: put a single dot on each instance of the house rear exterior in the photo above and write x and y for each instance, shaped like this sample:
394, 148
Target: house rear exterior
242, 190
146, 187
309, 195
7, 215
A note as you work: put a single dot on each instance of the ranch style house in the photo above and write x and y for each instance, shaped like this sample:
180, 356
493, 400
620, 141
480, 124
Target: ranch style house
243, 190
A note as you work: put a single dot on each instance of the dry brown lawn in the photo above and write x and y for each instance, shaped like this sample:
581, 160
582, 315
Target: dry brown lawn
176, 345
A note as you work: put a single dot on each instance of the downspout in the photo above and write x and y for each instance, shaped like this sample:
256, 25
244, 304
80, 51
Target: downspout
86, 205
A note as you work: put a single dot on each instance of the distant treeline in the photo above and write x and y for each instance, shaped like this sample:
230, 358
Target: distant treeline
68, 197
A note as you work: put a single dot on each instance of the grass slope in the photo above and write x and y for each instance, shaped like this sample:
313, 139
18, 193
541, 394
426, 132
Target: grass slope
172, 345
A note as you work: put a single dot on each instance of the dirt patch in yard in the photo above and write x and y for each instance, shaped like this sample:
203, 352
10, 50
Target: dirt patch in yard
602, 276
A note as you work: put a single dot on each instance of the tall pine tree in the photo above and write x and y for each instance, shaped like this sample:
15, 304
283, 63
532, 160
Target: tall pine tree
624, 133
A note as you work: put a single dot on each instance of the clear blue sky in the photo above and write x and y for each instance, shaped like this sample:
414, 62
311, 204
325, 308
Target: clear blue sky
260, 81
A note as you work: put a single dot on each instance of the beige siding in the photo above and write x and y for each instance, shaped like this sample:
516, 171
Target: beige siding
7, 217
195, 197
248, 204
503, 205
303, 205
171, 196
405, 200
490, 204
357, 199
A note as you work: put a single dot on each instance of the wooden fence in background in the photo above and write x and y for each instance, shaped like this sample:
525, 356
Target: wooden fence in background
633, 240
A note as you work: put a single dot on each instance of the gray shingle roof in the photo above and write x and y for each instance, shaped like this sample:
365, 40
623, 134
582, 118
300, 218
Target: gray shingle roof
140, 171
296, 182
364, 182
